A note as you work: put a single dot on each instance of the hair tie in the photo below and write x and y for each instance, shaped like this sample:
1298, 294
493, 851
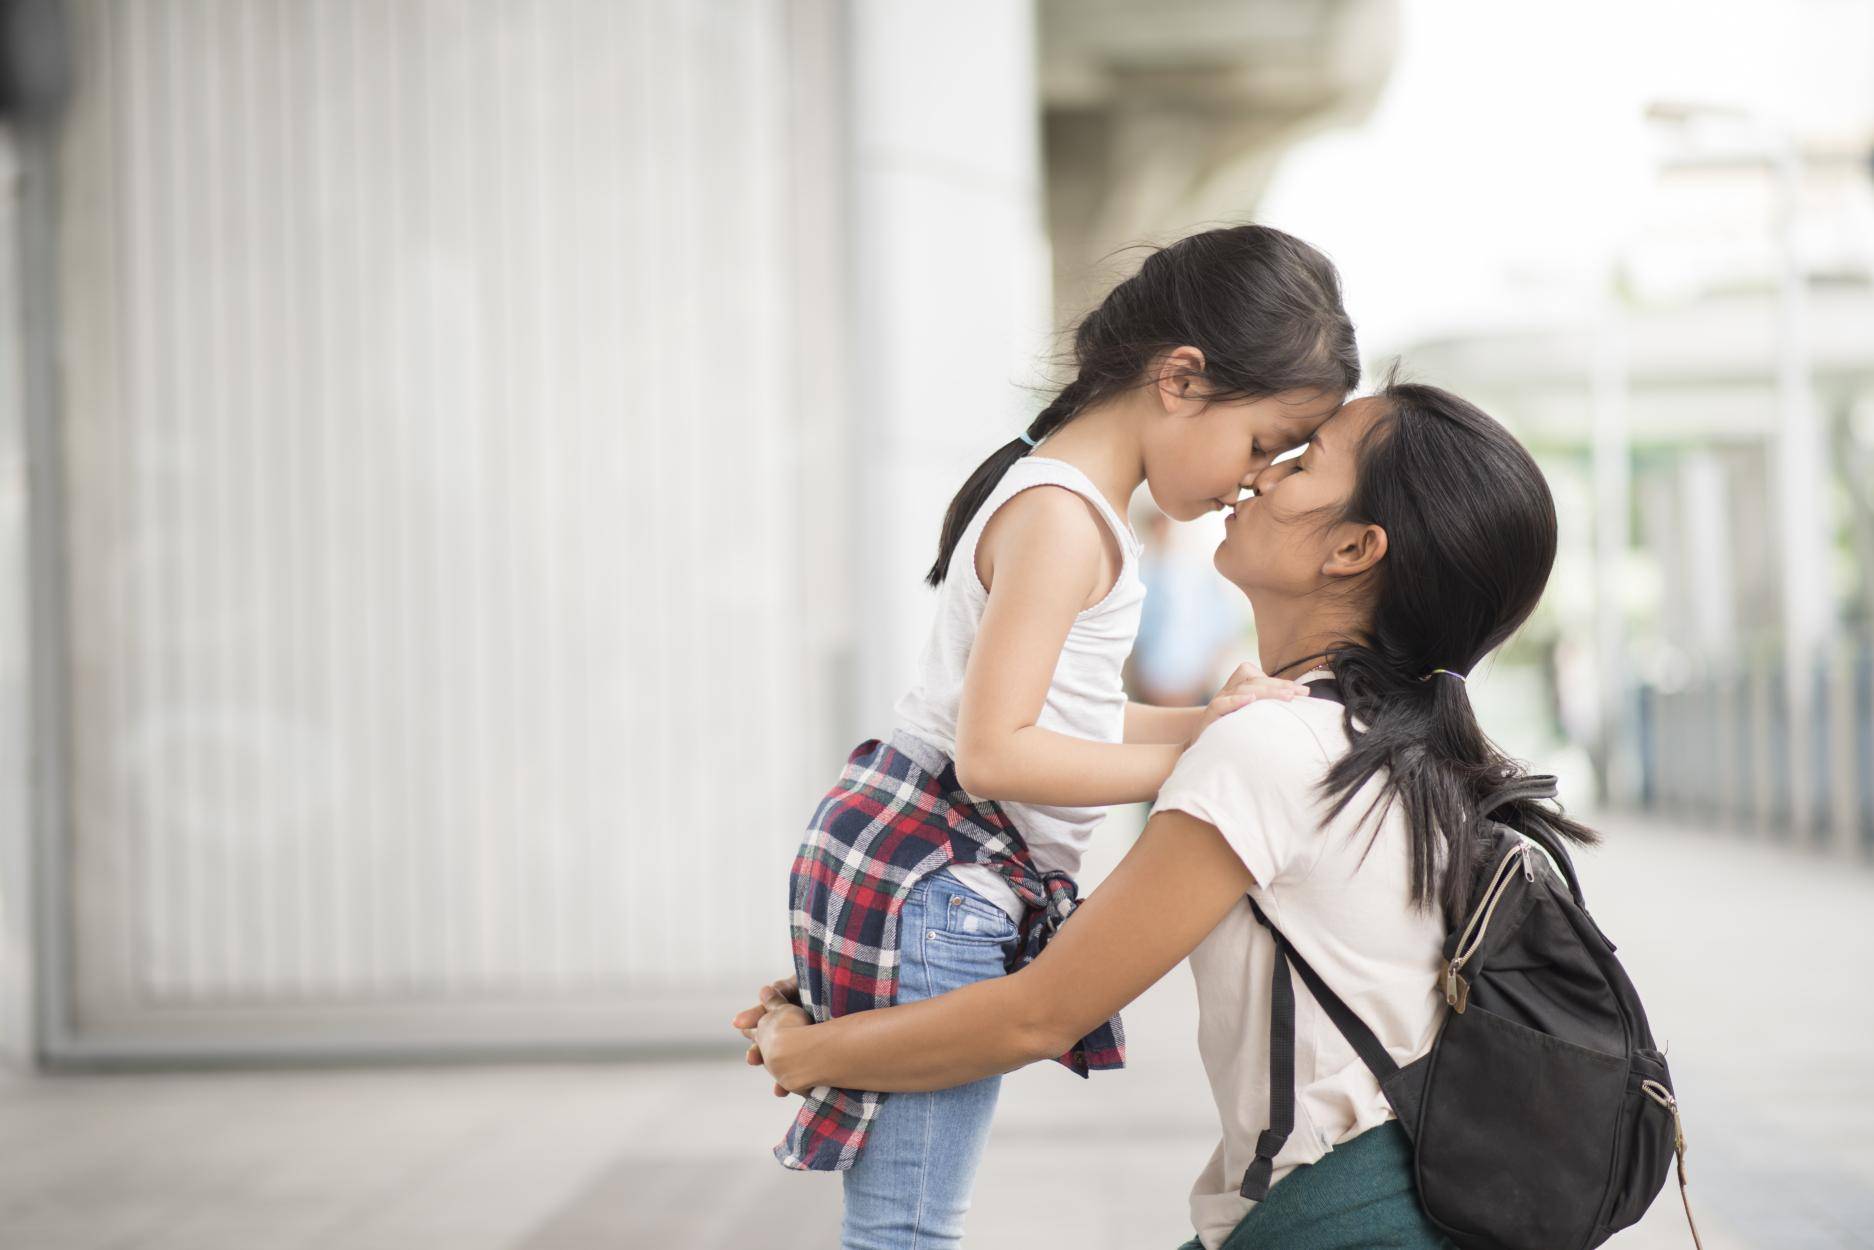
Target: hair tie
1461, 677
1024, 437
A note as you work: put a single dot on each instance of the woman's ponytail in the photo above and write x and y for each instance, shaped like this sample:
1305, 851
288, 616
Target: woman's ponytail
1262, 306
1471, 537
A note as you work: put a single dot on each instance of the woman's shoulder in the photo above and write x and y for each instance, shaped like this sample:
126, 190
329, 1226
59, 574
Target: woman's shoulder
1301, 728
1272, 744
1255, 776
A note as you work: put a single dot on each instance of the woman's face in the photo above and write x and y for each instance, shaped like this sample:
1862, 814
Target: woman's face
1278, 538
1199, 458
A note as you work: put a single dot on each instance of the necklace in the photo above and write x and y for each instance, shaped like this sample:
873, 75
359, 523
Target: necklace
1319, 668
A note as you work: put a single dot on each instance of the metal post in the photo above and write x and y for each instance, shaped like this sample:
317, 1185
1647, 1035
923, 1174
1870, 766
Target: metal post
1607, 404
1807, 606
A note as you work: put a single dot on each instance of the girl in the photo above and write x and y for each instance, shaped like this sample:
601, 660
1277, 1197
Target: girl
946, 855
1410, 540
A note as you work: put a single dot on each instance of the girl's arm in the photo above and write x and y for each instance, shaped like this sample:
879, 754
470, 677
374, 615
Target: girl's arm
1178, 881
1040, 558
1147, 722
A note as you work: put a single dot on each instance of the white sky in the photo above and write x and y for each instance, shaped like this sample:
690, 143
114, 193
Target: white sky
1509, 156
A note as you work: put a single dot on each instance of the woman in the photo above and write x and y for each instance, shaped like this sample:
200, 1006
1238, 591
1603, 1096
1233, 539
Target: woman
1409, 540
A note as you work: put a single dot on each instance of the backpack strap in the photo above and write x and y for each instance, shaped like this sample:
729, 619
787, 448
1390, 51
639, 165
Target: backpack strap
1326, 688
1536, 786
1256, 1177
1282, 1052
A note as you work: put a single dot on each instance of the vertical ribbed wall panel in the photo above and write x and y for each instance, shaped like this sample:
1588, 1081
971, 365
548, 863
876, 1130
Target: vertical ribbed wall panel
432, 524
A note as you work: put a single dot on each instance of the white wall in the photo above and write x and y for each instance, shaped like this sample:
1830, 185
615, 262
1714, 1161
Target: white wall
435, 549
500, 446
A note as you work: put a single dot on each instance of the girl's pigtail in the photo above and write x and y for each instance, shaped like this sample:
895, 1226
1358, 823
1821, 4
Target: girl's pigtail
982, 482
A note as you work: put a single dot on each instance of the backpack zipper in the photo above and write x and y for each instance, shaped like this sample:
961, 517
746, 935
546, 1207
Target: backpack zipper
1457, 989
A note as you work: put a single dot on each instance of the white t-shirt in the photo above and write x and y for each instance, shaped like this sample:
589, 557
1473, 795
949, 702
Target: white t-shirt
1255, 775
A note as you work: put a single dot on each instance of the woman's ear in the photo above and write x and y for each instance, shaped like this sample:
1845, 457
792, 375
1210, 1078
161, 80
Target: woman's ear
1356, 550
1178, 380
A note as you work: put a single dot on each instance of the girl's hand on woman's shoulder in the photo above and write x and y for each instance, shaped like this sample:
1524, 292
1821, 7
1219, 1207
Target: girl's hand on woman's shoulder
777, 1010
1246, 685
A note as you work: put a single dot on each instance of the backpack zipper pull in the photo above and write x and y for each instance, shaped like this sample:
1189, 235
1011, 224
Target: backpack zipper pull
1457, 989
1663, 1096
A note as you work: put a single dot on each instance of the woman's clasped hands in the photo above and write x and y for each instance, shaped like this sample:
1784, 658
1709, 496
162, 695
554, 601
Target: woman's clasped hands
766, 1026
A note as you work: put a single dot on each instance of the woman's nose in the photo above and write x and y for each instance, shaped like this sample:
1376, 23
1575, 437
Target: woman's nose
1267, 476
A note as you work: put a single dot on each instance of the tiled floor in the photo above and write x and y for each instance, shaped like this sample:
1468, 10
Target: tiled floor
1754, 962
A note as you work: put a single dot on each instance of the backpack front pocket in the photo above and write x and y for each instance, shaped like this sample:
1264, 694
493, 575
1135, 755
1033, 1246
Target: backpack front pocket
1513, 1131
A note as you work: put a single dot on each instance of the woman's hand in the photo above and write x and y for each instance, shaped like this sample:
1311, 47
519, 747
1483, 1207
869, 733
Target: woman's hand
777, 1010
1246, 685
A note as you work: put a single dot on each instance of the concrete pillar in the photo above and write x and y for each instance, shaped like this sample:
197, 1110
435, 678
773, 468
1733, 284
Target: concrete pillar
950, 299
16, 774
1806, 595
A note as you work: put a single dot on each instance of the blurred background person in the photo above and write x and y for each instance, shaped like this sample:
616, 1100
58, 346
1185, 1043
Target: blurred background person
1190, 630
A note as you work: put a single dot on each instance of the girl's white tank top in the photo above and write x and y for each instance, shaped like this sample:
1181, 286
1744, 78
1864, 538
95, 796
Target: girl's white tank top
1086, 699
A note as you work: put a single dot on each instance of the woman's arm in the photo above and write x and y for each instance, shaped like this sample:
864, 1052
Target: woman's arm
1165, 897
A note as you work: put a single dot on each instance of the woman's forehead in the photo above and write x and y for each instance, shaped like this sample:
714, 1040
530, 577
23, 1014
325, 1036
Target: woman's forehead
1347, 424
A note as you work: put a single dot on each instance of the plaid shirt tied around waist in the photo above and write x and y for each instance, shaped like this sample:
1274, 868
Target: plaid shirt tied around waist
893, 818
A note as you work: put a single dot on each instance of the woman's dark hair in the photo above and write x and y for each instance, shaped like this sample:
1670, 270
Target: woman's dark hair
1262, 306
1470, 529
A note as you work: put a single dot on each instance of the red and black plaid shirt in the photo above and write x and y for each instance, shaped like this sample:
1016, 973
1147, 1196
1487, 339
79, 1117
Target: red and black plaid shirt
888, 823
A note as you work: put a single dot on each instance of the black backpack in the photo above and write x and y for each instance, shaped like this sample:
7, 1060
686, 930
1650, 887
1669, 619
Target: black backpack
1543, 1116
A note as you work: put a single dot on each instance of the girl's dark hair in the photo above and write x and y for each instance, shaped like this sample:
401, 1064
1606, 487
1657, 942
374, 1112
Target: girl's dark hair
1470, 528
1262, 306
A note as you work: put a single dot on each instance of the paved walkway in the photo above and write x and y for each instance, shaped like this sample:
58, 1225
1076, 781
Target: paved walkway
1754, 960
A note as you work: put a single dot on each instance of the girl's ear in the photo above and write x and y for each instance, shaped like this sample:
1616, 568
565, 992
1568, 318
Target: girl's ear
1356, 551
1178, 380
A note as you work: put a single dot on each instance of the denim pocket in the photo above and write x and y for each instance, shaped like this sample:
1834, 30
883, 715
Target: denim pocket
960, 915
960, 938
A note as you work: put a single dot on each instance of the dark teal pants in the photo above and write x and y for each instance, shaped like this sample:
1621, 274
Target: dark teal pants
1359, 1197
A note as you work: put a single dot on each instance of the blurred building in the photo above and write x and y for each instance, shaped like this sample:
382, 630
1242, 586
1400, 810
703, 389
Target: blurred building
1165, 118
1699, 387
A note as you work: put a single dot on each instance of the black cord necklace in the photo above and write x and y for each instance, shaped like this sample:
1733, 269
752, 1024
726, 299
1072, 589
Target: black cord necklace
1322, 656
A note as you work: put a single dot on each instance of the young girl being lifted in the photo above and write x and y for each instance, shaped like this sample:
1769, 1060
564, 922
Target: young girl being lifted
945, 855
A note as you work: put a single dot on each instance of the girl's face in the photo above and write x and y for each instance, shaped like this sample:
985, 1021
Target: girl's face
1200, 455
1279, 539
